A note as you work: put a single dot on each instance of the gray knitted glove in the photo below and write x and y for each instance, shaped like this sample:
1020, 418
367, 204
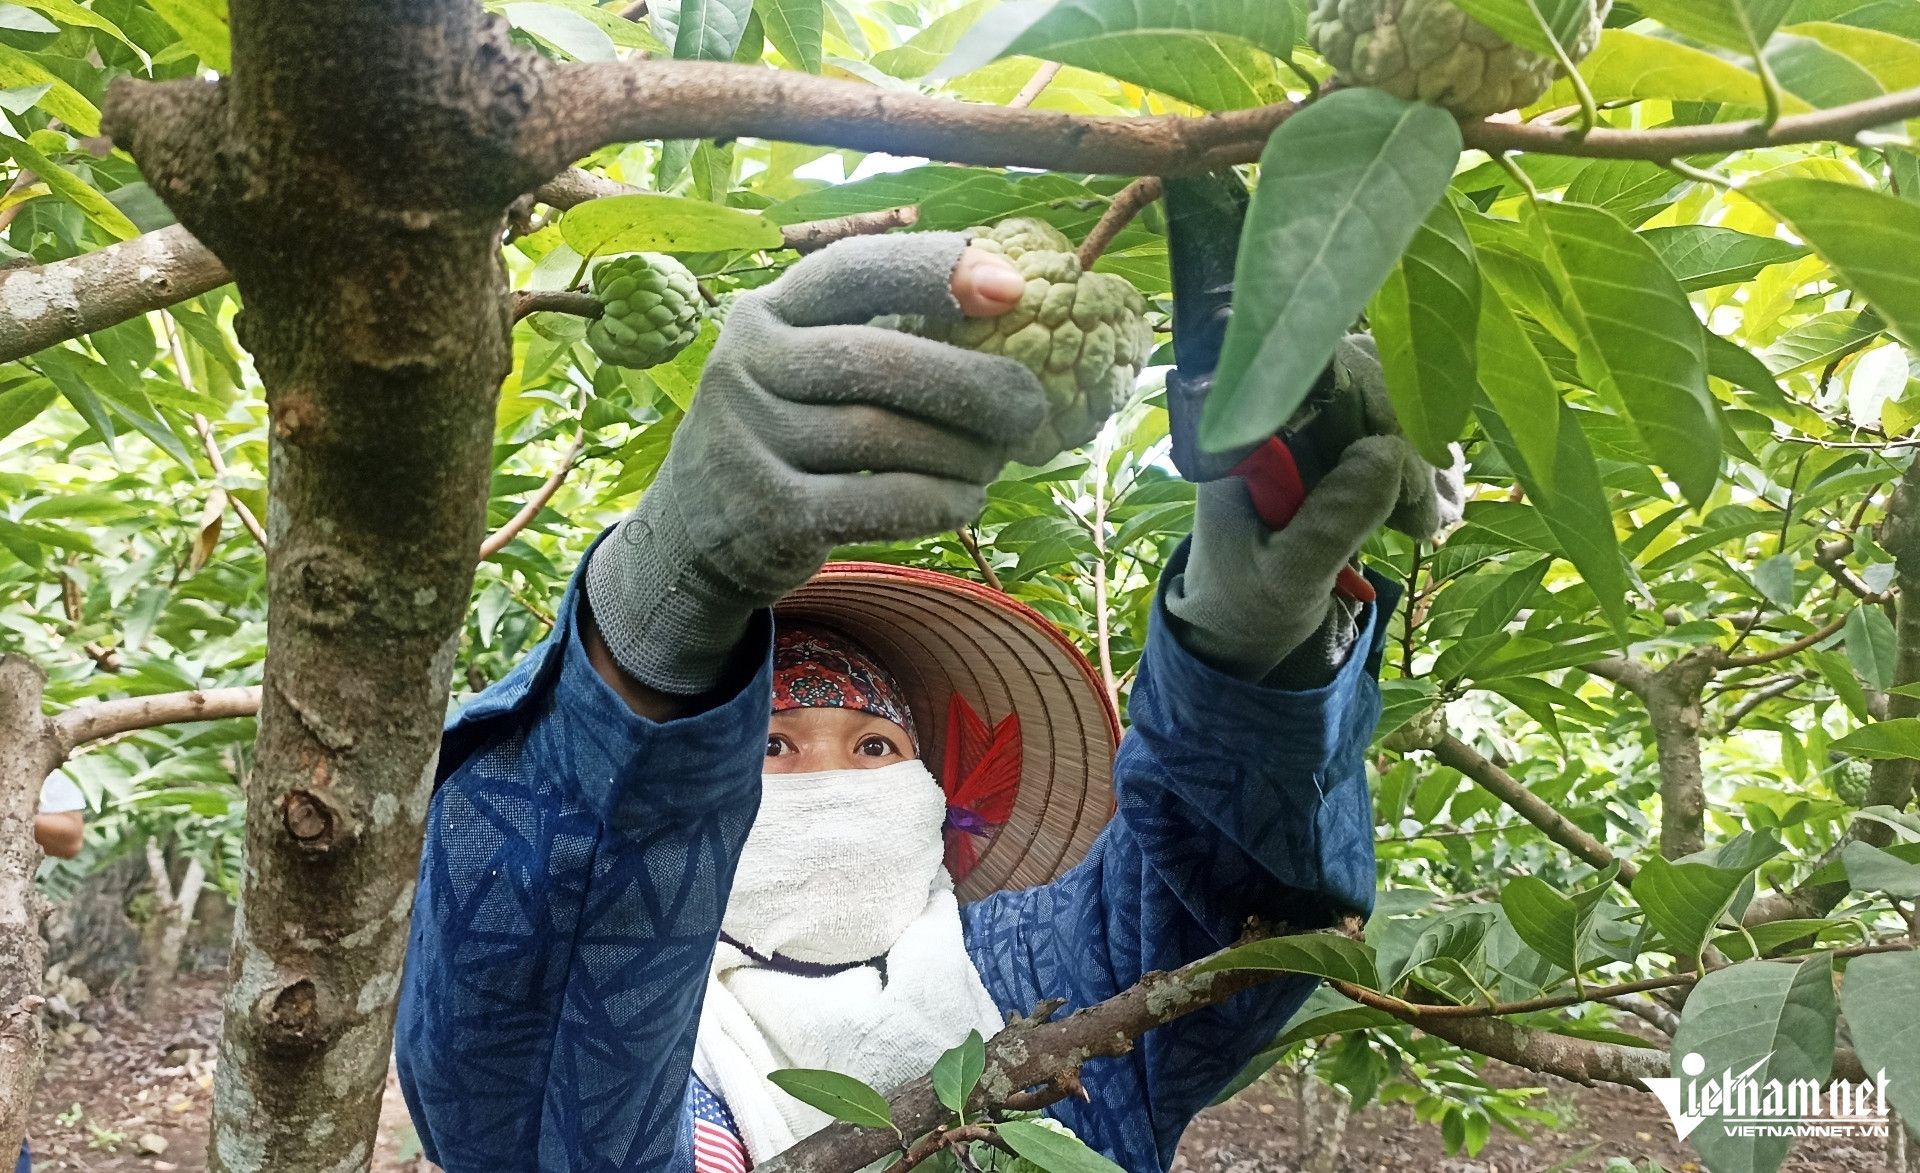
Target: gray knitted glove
1257, 603
809, 431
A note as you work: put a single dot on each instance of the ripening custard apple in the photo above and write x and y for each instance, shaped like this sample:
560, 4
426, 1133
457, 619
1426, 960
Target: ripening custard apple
1084, 335
650, 307
1432, 51
1850, 779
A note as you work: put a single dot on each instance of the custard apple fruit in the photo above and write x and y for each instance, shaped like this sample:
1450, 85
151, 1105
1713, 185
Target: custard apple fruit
1849, 781
1432, 51
650, 310
1084, 335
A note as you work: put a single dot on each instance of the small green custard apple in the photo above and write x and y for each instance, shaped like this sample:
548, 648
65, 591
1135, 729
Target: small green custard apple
1084, 335
650, 307
1850, 780
1432, 51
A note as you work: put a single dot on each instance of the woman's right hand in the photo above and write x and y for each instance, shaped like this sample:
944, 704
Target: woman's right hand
812, 430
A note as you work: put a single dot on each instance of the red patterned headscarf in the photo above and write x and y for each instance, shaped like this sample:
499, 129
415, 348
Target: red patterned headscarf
818, 669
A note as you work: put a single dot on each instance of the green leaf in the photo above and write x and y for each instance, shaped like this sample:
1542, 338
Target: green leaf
957, 1072
1684, 899
1053, 1152
1758, 1020
21, 405
1774, 577
1773, 935
71, 188
710, 30
1452, 936
564, 29
1706, 257
1871, 645
1641, 347
1632, 67
1520, 387
1529, 23
1556, 927
1878, 995
1869, 236
1898, 738
1321, 954
1821, 339
69, 13
1216, 54
663, 223
1505, 600
794, 27
1425, 320
839, 1096
1823, 77
18, 71
1837, 671
1400, 702
1731, 24
1870, 869
680, 378
202, 25
1348, 182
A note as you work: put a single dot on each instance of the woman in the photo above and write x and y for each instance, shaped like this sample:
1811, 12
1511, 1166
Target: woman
590, 835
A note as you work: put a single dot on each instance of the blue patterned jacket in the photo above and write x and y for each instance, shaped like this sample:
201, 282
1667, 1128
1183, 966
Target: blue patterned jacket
578, 858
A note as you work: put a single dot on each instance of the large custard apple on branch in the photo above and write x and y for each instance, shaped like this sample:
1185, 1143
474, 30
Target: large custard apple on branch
1084, 335
649, 310
1433, 51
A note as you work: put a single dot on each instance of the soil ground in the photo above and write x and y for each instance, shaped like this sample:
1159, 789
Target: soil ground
119, 1087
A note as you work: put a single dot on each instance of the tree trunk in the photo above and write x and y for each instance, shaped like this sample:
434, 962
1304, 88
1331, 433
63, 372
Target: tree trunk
353, 173
165, 935
1322, 1114
28, 752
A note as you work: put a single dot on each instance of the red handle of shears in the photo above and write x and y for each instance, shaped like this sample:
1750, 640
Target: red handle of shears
1274, 484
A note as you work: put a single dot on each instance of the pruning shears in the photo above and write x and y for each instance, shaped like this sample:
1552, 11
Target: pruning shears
1205, 214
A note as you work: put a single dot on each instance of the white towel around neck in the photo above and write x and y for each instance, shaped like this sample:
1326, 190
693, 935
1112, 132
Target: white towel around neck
841, 866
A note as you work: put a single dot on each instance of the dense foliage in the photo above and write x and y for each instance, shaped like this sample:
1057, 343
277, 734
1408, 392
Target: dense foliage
1686, 394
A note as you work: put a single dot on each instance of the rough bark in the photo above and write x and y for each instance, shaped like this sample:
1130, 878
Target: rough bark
45, 304
354, 172
1673, 700
84, 723
166, 934
1451, 751
28, 752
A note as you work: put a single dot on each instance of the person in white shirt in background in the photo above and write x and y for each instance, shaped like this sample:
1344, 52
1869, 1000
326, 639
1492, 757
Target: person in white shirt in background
61, 823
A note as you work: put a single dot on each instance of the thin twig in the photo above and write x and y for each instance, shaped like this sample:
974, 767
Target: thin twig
497, 541
1039, 81
556, 301
813, 235
212, 447
1451, 751
972, 544
1785, 650
1125, 206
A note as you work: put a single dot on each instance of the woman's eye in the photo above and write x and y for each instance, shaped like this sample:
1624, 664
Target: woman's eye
874, 746
778, 746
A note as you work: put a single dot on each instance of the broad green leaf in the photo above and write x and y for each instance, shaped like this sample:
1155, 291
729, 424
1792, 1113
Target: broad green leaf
1870, 869
1520, 387
71, 188
1871, 645
1530, 23
663, 223
1348, 182
1878, 995
1759, 1020
1821, 339
710, 30
871, 195
1898, 738
1452, 936
1641, 348
19, 71
69, 13
1774, 934
202, 25
1704, 257
1217, 54
1400, 702
1774, 577
628, 34
1320, 954
22, 404
1732, 24
1505, 600
564, 29
1629, 188
1869, 236
1893, 61
1053, 1152
1684, 899
680, 378
794, 27
1426, 322
1837, 671
839, 1096
1631, 67
1823, 77
957, 1072
1556, 927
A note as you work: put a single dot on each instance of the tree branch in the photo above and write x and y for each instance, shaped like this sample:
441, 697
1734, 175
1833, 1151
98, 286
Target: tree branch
1785, 650
497, 541
47, 304
555, 301
1456, 753
1041, 79
85, 723
972, 545
1125, 206
814, 235
1759, 697
219, 462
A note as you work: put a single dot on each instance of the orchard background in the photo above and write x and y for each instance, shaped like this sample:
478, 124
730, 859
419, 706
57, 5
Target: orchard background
1649, 749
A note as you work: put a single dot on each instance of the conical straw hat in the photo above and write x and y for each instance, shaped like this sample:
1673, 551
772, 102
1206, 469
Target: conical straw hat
939, 634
